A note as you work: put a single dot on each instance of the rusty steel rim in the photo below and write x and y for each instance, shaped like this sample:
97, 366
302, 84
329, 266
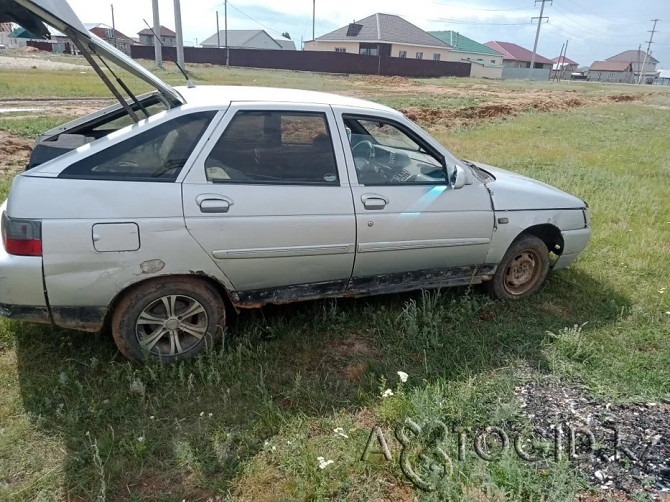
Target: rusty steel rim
171, 325
522, 272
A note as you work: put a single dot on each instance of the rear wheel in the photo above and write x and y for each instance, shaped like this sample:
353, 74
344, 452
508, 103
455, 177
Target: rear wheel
522, 270
168, 319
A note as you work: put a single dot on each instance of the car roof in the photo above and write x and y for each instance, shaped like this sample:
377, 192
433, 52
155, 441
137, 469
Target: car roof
221, 95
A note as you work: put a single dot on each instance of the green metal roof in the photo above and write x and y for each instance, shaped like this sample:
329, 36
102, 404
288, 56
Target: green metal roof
463, 43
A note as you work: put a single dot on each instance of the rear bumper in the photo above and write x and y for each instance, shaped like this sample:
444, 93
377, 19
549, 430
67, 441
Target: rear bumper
22, 288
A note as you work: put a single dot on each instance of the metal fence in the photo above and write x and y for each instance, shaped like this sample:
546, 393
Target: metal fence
327, 62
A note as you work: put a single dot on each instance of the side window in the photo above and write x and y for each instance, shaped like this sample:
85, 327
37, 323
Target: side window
385, 153
274, 147
158, 154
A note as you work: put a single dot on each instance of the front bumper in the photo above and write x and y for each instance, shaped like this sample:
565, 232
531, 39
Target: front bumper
574, 242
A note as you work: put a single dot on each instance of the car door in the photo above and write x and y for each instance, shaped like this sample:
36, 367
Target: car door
269, 200
413, 228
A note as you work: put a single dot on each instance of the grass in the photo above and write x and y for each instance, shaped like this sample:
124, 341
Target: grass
249, 420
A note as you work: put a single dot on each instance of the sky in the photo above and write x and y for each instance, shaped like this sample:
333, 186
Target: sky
594, 29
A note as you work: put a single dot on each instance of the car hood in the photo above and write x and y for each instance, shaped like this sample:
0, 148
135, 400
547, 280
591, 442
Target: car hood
514, 192
33, 14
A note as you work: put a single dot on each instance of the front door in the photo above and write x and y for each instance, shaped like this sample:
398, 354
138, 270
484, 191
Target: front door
413, 228
269, 200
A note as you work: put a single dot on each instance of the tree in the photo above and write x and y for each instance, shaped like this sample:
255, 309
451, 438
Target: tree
286, 35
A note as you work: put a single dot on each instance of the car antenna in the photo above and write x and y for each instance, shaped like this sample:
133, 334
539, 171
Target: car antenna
189, 83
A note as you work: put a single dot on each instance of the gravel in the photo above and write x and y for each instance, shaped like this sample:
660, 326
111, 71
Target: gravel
641, 462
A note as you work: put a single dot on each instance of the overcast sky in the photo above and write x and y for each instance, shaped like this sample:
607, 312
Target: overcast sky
596, 29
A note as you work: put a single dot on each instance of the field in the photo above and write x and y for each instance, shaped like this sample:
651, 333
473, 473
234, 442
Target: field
305, 402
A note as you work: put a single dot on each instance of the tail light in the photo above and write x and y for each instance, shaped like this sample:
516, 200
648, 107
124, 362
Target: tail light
21, 237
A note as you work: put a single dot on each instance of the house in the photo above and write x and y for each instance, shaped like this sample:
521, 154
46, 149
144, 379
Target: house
563, 67
636, 58
111, 36
487, 62
515, 56
5, 30
168, 37
248, 39
383, 35
611, 71
663, 77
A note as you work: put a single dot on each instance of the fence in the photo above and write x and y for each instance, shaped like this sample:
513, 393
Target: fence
526, 73
327, 62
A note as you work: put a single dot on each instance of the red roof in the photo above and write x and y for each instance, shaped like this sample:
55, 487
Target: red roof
165, 32
515, 52
564, 60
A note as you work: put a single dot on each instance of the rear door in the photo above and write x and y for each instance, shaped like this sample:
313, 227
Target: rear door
269, 201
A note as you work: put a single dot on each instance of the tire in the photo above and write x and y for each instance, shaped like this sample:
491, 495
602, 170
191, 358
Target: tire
168, 319
522, 270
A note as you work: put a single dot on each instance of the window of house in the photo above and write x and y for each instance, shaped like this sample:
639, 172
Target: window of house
274, 147
436, 56
419, 55
402, 54
340, 49
158, 154
493, 61
369, 49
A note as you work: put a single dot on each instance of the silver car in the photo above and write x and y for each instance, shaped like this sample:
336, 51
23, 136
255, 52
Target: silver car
152, 215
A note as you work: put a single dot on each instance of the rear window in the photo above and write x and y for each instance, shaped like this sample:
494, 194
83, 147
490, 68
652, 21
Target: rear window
158, 154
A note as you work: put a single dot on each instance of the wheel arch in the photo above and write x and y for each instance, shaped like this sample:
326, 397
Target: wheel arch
212, 281
549, 234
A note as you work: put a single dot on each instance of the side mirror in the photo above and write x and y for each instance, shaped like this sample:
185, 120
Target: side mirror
458, 178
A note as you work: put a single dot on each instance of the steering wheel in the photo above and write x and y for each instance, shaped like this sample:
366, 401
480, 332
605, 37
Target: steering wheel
367, 144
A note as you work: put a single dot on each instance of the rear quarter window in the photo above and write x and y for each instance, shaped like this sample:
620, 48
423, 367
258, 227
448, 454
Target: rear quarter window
158, 154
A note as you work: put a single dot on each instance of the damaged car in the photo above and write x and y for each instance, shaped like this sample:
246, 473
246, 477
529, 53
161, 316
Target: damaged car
153, 215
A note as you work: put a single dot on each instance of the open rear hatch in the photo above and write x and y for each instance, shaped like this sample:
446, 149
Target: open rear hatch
34, 15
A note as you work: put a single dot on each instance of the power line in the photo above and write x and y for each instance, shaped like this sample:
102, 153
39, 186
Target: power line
254, 20
458, 21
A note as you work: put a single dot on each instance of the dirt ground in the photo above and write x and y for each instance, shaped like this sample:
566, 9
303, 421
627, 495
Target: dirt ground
14, 153
36, 61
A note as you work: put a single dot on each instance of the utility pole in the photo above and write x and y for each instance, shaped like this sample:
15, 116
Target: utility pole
565, 54
225, 33
218, 32
646, 56
157, 33
558, 65
313, 19
180, 37
113, 27
537, 35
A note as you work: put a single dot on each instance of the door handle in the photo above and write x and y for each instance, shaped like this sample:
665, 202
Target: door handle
213, 203
373, 201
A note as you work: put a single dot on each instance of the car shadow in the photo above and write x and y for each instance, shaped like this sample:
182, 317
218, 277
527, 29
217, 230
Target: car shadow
190, 427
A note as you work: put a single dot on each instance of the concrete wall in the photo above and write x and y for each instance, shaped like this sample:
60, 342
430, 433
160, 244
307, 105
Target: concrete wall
318, 45
353, 48
427, 52
525, 73
482, 71
624, 77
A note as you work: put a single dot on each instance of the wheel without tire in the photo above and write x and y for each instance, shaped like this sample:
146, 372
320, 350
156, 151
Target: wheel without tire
522, 270
168, 319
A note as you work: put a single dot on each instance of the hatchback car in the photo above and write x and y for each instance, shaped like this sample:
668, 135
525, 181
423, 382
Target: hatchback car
151, 215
